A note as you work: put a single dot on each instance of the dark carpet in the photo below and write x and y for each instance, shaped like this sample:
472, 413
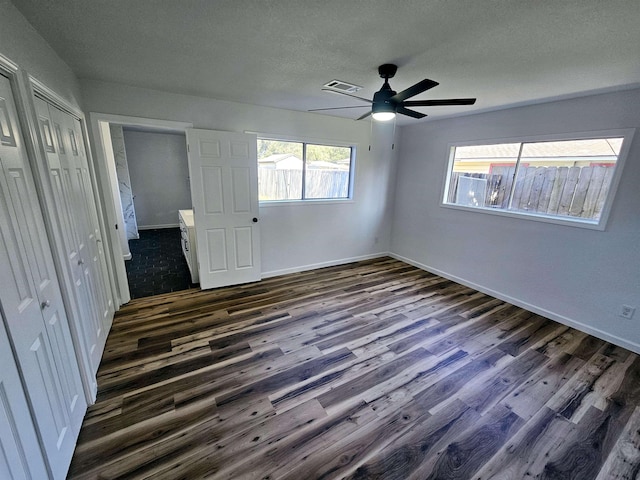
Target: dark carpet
157, 264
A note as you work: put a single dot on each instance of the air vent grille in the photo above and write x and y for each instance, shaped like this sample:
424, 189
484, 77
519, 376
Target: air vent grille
340, 86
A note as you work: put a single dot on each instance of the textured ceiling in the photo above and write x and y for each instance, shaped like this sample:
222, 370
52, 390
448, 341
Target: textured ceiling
279, 53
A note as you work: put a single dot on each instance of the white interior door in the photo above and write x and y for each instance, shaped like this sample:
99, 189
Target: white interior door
99, 260
94, 266
61, 170
224, 189
32, 302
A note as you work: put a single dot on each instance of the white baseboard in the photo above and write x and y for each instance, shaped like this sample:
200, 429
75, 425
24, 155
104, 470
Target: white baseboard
330, 263
156, 227
634, 347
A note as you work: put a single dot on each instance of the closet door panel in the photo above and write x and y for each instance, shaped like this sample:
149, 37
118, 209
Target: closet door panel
98, 261
45, 283
88, 218
71, 231
87, 326
98, 266
25, 206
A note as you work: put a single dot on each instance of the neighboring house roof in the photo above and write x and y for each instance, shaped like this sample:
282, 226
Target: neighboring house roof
561, 149
281, 161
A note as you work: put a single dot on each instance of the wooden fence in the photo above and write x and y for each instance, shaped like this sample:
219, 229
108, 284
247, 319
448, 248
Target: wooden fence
287, 184
558, 191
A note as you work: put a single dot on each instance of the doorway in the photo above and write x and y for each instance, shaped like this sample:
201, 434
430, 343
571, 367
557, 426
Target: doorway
153, 176
224, 219
145, 162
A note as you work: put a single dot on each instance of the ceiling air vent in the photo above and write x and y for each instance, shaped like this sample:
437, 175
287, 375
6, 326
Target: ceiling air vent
340, 86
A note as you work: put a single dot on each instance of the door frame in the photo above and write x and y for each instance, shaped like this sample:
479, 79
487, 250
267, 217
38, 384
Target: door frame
107, 183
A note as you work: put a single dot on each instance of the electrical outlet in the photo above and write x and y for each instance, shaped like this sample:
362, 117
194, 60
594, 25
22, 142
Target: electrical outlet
627, 311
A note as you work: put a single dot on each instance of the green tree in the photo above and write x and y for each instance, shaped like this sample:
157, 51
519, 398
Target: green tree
267, 148
324, 153
327, 153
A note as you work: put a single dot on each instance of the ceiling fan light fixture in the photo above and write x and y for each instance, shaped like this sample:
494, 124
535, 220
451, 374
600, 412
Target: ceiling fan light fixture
384, 116
383, 111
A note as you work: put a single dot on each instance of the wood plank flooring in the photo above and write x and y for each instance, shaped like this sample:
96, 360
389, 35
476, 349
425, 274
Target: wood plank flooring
373, 370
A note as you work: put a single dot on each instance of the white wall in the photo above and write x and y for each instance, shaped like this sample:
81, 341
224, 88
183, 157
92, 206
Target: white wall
20, 42
159, 172
574, 275
293, 236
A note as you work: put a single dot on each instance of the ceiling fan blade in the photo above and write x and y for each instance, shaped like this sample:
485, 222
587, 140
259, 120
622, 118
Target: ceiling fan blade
410, 113
416, 89
336, 108
347, 94
364, 116
435, 103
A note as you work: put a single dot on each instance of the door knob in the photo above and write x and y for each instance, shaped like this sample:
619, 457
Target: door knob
45, 304
255, 220
81, 262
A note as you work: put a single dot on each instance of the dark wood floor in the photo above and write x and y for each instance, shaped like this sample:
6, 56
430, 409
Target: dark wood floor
369, 370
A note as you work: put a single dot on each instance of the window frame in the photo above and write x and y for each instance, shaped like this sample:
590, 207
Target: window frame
313, 141
626, 133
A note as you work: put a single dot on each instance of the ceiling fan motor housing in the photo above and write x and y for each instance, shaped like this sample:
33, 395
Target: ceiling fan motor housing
388, 70
382, 100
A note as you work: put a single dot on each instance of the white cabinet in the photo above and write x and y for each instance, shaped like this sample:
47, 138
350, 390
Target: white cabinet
188, 240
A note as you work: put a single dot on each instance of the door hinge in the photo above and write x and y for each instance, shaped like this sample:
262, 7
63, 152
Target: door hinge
188, 148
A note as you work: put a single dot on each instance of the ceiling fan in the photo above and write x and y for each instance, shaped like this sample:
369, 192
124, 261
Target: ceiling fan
387, 103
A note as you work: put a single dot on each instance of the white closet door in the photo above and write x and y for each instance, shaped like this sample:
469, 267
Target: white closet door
61, 172
20, 456
72, 156
98, 261
32, 302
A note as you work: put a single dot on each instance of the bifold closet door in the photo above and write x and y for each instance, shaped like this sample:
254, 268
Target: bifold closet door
77, 228
73, 156
32, 303
98, 263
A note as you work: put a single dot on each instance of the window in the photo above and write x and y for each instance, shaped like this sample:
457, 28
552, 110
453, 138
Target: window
559, 180
303, 171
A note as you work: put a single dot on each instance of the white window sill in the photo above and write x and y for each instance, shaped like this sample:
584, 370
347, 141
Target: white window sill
570, 222
320, 201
